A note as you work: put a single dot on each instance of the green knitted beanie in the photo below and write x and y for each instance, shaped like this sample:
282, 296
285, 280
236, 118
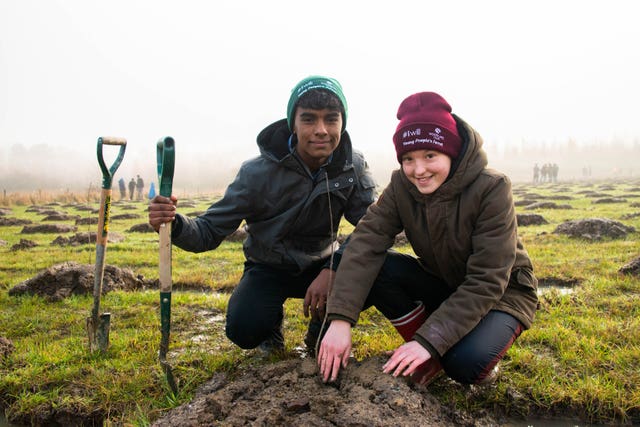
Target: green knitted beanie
315, 82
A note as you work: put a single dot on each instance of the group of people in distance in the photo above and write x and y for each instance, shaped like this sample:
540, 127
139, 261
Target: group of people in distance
136, 187
547, 173
459, 304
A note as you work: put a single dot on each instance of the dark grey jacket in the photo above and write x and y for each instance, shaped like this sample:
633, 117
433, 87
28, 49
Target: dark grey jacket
285, 207
465, 233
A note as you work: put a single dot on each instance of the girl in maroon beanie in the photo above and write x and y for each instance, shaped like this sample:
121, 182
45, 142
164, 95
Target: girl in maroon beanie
470, 292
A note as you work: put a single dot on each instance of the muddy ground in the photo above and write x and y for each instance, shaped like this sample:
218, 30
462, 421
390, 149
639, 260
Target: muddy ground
290, 393
287, 392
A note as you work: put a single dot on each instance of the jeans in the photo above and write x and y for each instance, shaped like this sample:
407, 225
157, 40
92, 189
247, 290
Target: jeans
255, 309
402, 281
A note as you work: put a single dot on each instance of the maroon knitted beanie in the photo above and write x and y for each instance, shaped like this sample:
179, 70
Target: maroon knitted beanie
426, 123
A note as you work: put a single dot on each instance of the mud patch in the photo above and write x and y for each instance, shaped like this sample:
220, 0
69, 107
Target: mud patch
594, 229
632, 268
125, 216
291, 393
547, 205
70, 278
525, 202
86, 208
142, 228
87, 221
630, 216
61, 217
86, 238
6, 348
48, 228
610, 200
524, 220
14, 221
237, 236
24, 244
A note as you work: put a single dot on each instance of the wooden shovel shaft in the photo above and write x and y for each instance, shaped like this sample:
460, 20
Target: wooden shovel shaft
165, 258
101, 248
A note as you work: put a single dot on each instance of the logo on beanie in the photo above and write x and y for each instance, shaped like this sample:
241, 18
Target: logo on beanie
436, 135
408, 133
413, 137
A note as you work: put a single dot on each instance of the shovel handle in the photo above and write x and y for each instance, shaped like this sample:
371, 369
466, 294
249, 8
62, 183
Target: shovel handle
107, 173
166, 162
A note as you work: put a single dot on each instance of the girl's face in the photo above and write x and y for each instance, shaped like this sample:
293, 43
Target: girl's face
426, 169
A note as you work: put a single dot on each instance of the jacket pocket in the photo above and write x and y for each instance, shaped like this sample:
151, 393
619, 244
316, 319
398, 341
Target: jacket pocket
524, 278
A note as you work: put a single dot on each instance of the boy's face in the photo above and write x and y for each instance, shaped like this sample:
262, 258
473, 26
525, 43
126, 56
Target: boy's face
426, 169
318, 133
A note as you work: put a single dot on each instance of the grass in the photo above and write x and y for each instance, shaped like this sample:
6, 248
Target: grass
579, 360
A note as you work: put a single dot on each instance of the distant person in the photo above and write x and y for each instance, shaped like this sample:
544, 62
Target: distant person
292, 198
544, 171
469, 291
132, 188
536, 173
152, 191
139, 187
123, 189
554, 172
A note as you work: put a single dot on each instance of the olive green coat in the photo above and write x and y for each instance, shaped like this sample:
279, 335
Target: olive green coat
465, 233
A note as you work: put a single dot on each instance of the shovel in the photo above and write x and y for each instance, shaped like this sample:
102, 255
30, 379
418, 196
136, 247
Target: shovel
98, 324
166, 161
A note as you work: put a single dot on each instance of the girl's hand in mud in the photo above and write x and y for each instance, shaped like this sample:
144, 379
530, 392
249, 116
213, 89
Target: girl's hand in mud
334, 350
406, 358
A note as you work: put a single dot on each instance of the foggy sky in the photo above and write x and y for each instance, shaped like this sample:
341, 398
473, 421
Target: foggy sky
213, 74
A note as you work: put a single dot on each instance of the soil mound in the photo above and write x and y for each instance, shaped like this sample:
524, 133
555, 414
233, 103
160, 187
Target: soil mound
70, 278
547, 205
91, 220
6, 348
291, 393
24, 244
48, 228
125, 216
632, 268
530, 219
142, 228
610, 200
86, 208
13, 221
86, 238
237, 236
594, 229
61, 217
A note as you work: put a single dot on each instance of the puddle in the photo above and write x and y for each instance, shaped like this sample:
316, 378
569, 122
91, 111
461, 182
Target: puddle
549, 423
561, 290
554, 284
4, 422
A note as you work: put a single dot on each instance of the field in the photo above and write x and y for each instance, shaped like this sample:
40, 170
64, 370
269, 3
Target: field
578, 362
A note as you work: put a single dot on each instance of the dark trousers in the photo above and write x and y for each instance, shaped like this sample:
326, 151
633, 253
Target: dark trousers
402, 281
255, 308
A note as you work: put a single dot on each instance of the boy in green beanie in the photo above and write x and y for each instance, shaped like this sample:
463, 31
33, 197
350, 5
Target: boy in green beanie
292, 198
